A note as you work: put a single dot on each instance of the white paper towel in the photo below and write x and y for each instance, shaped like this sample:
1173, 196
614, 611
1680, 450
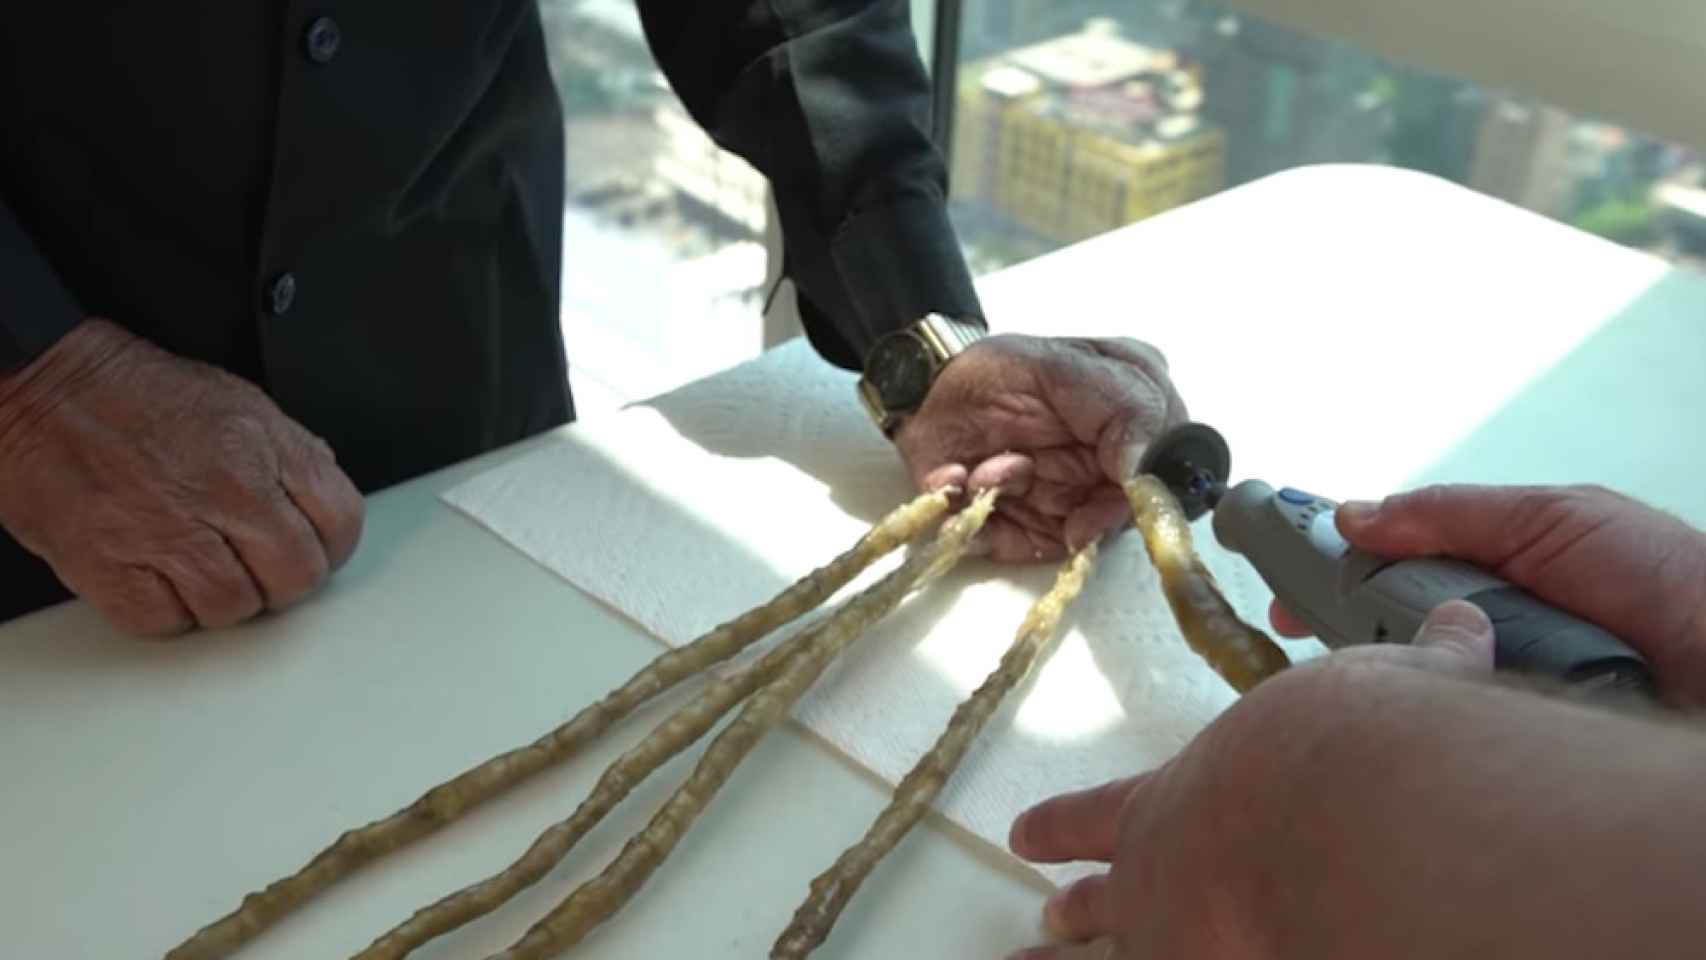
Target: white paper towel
686, 510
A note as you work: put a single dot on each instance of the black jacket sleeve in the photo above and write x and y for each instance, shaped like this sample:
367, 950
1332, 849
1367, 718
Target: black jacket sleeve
35, 308
830, 101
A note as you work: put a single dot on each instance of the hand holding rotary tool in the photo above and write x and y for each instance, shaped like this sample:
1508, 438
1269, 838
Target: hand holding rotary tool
1349, 596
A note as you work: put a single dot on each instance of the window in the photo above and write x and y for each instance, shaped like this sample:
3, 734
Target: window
663, 252
1074, 117
1188, 98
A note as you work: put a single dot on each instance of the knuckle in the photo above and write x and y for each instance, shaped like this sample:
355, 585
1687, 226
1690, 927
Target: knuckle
311, 449
302, 575
1536, 508
214, 584
301, 453
238, 437
1593, 493
137, 604
1151, 353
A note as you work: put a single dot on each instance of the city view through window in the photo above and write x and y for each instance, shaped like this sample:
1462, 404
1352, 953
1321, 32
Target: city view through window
1077, 116
1072, 117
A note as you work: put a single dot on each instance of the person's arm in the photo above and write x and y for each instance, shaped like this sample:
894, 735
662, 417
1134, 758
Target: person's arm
829, 99
35, 308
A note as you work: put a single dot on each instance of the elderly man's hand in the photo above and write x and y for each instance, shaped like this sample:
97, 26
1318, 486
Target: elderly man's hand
1056, 423
163, 491
1635, 571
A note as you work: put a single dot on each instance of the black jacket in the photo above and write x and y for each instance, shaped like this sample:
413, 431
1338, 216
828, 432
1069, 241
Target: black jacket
358, 205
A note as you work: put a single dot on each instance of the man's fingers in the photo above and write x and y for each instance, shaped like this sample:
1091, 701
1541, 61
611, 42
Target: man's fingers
324, 494
1107, 510
1029, 517
1456, 639
1142, 417
1083, 911
1484, 525
1057, 499
282, 550
1115, 404
1010, 472
1461, 637
943, 476
1286, 623
1132, 351
1073, 826
1006, 540
1104, 949
1153, 405
1457, 636
137, 600
211, 580
1074, 465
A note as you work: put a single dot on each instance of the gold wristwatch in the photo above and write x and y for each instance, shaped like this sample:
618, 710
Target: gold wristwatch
902, 366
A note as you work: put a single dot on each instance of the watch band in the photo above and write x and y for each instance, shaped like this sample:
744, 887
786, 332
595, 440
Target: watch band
944, 338
948, 337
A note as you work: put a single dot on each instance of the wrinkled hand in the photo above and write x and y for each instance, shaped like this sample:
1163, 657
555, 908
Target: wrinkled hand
1215, 853
163, 491
1056, 423
1633, 570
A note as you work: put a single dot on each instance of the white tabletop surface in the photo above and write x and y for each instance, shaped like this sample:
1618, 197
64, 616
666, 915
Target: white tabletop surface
1349, 329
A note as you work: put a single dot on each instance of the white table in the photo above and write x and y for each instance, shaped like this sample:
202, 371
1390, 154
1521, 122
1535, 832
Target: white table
145, 787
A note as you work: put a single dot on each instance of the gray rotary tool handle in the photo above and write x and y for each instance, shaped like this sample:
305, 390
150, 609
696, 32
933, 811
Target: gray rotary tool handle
1530, 635
1350, 597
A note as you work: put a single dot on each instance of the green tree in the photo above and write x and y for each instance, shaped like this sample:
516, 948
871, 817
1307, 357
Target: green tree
1629, 222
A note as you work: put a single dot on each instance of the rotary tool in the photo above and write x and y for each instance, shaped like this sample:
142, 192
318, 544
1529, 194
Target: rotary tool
1349, 596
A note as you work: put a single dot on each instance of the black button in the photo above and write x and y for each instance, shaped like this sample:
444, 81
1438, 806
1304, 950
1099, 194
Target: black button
322, 39
281, 294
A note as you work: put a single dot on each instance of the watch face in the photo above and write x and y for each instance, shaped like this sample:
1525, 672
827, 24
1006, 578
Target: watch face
900, 369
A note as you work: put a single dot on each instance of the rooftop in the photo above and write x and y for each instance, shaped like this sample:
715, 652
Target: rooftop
1094, 57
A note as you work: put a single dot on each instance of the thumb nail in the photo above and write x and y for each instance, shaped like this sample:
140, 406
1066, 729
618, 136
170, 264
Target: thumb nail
1462, 626
1018, 836
1360, 512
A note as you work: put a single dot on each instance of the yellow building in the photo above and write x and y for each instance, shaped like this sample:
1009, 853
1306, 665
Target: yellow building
1082, 134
